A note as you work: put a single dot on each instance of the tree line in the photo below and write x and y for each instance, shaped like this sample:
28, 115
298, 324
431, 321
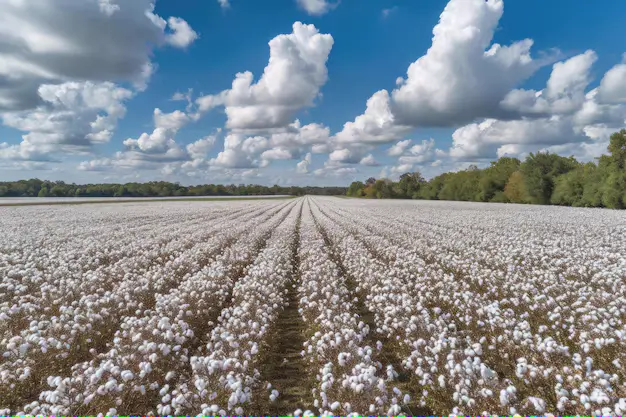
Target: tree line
40, 188
542, 178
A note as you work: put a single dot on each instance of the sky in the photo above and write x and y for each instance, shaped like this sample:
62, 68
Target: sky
302, 92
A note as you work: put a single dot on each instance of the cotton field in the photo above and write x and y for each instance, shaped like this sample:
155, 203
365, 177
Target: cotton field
309, 306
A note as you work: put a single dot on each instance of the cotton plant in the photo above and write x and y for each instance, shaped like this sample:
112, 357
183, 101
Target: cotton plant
115, 308
168, 307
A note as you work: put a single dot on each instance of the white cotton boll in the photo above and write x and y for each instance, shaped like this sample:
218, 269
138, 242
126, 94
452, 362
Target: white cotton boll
504, 397
335, 405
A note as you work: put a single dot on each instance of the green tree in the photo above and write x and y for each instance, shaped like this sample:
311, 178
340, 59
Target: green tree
540, 171
409, 185
515, 189
356, 189
495, 177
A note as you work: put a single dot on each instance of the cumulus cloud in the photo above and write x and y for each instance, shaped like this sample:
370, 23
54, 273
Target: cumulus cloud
560, 118
399, 148
200, 148
182, 35
345, 155
564, 92
462, 77
376, 126
316, 7
369, 160
291, 81
612, 88
53, 42
240, 151
302, 167
172, 121
71, 118
422, 153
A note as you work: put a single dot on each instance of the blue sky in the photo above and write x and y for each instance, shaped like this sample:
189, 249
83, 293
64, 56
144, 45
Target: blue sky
466, 107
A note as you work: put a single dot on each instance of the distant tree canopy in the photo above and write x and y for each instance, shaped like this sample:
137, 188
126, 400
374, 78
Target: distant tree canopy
39, 188
542, 178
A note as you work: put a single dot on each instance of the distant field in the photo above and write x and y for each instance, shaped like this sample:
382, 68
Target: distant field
330, 305
26, 201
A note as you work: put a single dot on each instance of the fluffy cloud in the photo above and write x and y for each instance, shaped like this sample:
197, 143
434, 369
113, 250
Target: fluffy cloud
422, 153
461, 77
199, 149
612, 88
172, 121
564, 92
55, 41
376, 126
290, 82
561, 118
71, 118
316, 7
399, 148
240, 151
182, 34
369, 160
303, 166
345, 156
481, 140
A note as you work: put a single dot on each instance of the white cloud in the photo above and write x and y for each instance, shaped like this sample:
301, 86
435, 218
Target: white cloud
200, 148
174, 120
564, 92
276, 154
369, 160
316, 7
422, 153
291, 81
612, 88
240, 152
401, 169
71, 119
461, 77
224, 4
399, 148
376, 126
563, 118
302, 167
182, 34
345, 156
47, 42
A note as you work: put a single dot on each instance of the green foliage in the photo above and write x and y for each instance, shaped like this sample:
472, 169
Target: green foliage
494, 179
409, 185
540, 171
543, 178
39, 188
356, 189
515, 189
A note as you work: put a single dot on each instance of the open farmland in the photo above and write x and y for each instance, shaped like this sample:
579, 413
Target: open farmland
322, 304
